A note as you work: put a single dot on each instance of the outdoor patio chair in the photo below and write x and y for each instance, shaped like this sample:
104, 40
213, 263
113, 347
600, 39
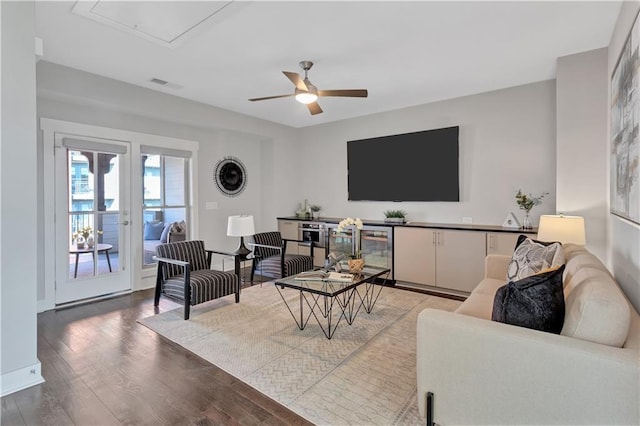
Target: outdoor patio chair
184, 274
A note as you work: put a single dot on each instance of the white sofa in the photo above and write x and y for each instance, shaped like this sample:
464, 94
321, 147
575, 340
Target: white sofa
485, 372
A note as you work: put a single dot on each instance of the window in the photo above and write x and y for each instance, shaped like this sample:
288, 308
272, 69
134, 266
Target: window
165, 194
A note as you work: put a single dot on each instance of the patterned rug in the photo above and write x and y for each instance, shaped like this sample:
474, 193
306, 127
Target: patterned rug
366, 374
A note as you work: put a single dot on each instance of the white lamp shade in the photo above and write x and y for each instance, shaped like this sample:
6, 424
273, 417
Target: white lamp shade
240, 226
565, 229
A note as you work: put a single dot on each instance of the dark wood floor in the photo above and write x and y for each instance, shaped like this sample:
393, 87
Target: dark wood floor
103, 368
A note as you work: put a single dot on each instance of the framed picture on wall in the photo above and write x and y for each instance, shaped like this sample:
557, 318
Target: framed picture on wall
625, 126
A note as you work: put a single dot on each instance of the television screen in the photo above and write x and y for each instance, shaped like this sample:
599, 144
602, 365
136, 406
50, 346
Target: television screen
419, 166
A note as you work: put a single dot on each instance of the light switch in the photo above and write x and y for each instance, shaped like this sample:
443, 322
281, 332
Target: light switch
210, 205
467, 220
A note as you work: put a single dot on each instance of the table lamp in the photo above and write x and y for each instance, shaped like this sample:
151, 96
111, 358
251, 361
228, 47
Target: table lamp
565, 229
241, 226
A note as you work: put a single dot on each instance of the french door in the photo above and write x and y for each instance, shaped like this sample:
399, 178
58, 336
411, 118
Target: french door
92, 242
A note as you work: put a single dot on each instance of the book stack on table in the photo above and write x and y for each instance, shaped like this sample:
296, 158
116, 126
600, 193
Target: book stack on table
324, 276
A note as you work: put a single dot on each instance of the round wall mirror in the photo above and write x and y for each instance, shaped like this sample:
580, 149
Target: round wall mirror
230, 176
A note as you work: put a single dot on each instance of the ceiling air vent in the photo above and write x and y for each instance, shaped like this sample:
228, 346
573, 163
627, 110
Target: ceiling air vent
165, 83
158, 81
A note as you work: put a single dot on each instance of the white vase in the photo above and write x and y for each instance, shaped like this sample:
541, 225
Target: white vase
90, 241
526, 221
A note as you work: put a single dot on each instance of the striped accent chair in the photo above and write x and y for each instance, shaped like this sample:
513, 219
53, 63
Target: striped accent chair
271, 260
184, 274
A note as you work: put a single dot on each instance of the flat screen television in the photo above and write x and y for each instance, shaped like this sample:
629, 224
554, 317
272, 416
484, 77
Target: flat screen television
419, 166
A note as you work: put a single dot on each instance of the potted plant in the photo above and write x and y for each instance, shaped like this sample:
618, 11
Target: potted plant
85, 236
395, 216
526, 203
315, 210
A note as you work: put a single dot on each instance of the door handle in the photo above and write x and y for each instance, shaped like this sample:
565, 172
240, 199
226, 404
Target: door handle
124, 222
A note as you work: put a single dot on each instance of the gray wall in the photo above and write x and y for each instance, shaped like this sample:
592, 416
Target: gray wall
77, 96
581, 151
624, 236
18, 233
507, 141
507, 137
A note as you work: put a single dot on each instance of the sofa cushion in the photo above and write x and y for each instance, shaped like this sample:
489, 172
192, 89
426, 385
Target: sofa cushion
535, 302
596, 309
531, 257
165, 232
153, 230
480, 302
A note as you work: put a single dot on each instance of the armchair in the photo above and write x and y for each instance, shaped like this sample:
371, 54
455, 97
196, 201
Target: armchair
184, 274
271, 259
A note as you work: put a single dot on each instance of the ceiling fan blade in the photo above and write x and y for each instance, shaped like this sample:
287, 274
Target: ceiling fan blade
295, 79
271, 97
314, 108
351, 93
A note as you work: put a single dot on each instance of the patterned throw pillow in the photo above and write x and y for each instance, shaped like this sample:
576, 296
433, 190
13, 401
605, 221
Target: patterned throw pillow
179, 227
530, 257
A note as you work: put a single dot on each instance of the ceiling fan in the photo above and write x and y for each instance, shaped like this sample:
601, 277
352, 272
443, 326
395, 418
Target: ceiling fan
308, 94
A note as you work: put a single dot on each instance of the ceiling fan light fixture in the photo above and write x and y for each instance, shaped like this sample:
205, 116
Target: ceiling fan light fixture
306, 97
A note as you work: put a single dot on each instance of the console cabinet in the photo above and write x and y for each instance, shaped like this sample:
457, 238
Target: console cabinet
501, 242
448, 259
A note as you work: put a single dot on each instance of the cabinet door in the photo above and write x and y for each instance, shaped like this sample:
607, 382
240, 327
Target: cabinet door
414, 255
460, 259
289, 231
501, 242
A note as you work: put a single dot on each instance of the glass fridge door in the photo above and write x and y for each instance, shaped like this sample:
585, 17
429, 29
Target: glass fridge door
375, 246
341, 242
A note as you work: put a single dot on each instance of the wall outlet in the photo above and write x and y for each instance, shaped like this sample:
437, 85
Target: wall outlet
210, 205
467, 220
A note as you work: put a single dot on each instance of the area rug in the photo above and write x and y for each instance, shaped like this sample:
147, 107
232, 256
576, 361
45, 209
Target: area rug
366, 374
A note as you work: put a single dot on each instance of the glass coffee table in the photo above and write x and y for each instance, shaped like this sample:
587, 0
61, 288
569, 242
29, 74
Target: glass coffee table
329, 302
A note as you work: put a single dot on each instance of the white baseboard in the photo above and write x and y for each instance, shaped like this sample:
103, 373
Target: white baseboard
21, 379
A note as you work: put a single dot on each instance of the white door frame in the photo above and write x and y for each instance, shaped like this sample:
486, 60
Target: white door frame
140, 278
119, 279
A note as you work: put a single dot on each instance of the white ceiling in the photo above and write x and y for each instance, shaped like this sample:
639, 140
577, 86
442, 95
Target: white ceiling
404, 53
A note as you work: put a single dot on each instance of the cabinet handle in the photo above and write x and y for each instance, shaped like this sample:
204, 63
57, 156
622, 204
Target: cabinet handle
491, 242
434, 238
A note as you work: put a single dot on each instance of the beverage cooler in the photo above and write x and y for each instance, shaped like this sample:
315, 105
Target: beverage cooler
375, 245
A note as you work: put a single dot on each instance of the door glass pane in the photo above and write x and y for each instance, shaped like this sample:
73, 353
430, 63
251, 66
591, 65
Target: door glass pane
174, 181
108, 243
80, 181
94, 233
107, 182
